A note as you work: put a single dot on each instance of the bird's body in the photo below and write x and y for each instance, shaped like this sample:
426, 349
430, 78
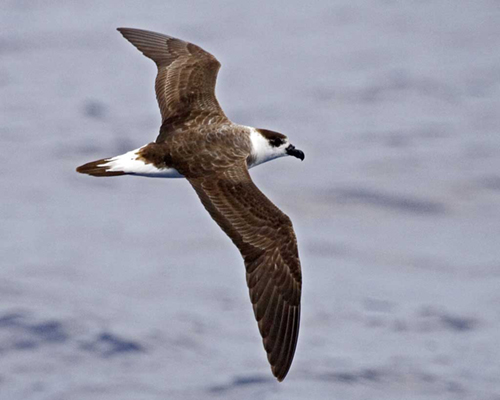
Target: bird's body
198, 142
192, 152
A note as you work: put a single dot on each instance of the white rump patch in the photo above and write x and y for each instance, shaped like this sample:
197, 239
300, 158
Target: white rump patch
130, 164
262, 151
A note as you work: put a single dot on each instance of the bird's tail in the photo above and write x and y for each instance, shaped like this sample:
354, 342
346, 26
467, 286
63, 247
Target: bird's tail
134, 162
99, 168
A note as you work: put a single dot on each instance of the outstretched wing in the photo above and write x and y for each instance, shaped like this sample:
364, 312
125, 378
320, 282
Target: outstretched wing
266, 240
185, 84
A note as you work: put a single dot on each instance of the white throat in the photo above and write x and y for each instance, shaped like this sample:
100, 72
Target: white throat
262, 151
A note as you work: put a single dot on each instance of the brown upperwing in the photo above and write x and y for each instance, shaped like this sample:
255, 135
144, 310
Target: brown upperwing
185, 84
267, 242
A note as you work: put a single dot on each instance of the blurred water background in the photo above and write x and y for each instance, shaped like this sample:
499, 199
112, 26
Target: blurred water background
124, 288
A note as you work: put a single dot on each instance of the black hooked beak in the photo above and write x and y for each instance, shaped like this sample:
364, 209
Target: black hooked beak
292, 151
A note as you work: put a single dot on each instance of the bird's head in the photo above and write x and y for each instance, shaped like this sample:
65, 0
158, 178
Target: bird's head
268, 145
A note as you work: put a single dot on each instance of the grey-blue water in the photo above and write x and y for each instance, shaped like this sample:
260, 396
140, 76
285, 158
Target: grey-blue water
124, 288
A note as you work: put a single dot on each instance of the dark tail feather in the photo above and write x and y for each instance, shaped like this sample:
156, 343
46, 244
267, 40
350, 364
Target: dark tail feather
93, 168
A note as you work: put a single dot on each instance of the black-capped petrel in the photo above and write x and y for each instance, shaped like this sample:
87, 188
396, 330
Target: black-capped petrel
198, 142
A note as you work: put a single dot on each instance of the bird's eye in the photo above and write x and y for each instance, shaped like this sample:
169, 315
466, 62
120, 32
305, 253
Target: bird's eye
277, 142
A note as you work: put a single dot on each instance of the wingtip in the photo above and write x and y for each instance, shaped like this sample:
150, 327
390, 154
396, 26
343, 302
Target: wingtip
122, 29
280, 375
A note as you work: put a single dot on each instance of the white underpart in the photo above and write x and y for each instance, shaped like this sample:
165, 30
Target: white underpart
262, 151
130, 164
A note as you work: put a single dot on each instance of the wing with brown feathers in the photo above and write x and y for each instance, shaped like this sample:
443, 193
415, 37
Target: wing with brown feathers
185, 84
266, 240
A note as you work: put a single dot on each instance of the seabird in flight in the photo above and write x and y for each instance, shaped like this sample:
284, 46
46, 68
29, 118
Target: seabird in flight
198, 142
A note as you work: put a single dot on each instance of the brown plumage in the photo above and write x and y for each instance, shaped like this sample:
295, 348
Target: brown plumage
197, 141
93, 168
265, 238
185, 84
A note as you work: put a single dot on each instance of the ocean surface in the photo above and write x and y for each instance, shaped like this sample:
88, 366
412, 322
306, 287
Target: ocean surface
125, 289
